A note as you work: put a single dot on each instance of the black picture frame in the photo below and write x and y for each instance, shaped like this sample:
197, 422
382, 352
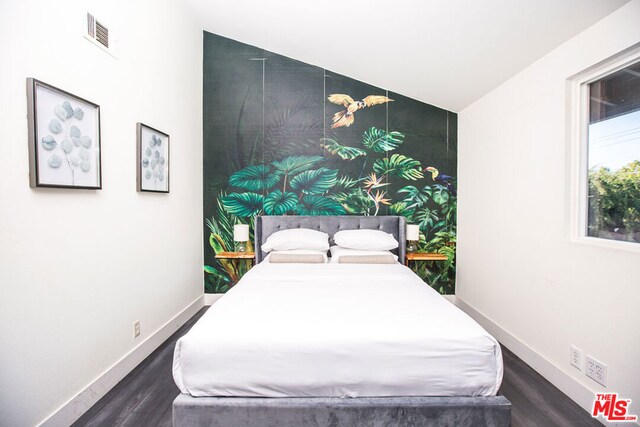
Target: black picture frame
68, 138
153, 156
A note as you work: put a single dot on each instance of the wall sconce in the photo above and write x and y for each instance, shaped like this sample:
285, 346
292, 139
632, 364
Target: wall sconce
241, 236
413, 236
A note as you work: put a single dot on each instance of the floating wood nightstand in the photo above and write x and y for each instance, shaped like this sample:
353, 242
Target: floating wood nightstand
238, 255
424, 256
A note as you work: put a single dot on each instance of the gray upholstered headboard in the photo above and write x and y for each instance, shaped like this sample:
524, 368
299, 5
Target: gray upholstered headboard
267, 225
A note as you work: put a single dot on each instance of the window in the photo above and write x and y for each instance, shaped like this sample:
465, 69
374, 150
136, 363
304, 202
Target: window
611, 127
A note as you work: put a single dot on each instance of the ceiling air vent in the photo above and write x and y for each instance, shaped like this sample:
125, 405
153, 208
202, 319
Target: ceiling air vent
100, 35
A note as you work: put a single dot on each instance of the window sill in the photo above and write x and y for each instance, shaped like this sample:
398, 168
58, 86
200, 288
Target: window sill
607, 243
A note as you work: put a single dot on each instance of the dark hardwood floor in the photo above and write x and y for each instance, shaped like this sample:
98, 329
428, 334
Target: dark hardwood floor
144, 397
535, 401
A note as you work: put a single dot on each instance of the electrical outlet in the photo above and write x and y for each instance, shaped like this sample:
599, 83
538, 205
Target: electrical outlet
596, 370
136, 328
575, 357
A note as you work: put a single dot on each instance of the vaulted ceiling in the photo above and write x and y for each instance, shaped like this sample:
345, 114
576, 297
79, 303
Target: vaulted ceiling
447, 53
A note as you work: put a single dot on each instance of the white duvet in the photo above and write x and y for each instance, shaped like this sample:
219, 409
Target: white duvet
338, 330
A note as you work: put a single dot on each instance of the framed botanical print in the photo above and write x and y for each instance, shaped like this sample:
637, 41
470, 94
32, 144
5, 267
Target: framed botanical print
153, 159
64, 139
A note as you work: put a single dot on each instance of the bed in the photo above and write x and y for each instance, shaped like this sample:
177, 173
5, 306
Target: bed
336, 344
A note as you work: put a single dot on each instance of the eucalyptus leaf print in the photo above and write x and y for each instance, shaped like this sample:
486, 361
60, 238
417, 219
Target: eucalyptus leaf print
66, 106
49, 142
55, 161
55, 126
67, 146
74, 131
153, 169
60, 112
71, 149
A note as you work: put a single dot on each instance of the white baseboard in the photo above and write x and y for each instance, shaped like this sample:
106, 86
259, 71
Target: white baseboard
210, 299
578, 392
79, 404
451, 298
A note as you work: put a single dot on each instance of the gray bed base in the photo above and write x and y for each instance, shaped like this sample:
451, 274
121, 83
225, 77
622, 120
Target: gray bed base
189, 411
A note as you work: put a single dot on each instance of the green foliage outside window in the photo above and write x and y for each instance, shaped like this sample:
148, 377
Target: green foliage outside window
614, 203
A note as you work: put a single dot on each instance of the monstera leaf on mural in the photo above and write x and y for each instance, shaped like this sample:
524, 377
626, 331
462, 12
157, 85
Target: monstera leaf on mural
402, 209
381, 141
399, 165
319, 185
416, 198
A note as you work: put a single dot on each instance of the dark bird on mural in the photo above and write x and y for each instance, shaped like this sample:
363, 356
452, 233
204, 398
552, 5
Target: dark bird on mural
441, 178
345, 117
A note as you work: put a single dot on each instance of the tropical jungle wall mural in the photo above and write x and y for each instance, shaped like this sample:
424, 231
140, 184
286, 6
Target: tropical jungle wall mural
282, 137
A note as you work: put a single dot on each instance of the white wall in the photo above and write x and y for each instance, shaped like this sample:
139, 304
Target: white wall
77, 268
516, 263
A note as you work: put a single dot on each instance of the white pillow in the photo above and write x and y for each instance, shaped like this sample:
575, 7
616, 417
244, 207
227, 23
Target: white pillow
297, 238
367, 240
337, 252
296, 256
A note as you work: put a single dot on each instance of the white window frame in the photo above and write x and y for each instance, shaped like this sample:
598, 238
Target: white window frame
578, 119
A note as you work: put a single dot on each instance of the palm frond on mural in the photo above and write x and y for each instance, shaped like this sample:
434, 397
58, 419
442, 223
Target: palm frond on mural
292, 128
224, 273
345, 152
